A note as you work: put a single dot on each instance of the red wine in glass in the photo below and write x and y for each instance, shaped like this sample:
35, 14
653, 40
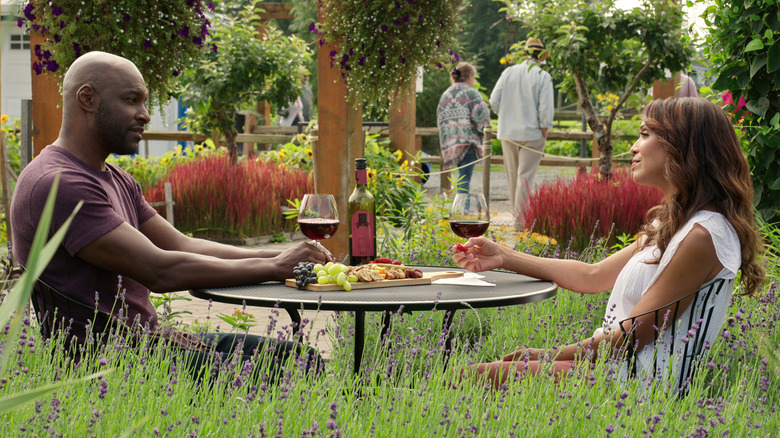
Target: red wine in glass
318, 228
318, 216
469, 228
468, 215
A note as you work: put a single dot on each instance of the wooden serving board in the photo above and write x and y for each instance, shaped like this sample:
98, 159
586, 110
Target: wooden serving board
427, 278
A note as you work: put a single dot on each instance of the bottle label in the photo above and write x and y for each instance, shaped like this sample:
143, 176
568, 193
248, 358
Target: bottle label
361, 177
362, 233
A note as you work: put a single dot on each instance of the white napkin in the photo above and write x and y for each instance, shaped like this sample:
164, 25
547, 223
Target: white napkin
468, 279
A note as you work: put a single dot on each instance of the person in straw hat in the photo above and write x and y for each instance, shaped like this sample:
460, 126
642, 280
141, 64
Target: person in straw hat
523, 100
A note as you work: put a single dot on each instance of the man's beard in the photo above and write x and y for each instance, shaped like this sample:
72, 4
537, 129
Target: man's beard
113, 136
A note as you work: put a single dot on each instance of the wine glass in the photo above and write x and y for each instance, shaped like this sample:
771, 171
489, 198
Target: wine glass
469, 215
318, 216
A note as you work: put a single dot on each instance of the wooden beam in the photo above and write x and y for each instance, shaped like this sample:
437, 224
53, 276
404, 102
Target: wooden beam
402, 122
46, 97
276, 11
340, 141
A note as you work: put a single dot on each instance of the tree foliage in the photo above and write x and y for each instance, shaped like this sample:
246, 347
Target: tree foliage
594, 46
743, 47
243, 69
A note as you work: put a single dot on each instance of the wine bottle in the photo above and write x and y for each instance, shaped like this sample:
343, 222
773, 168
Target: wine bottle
362, 214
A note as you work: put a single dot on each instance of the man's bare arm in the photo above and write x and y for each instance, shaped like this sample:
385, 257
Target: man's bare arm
130, 253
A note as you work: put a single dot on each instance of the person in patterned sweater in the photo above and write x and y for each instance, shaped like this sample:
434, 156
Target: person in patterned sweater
462, 114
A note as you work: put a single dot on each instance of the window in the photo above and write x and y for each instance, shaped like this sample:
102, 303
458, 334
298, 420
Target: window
20, 42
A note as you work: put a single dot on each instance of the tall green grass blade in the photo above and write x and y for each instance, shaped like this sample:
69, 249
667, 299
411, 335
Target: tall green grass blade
40, 256
17, 400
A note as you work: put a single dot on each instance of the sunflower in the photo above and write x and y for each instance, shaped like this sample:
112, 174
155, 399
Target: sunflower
309, 153
371, 173
4, 118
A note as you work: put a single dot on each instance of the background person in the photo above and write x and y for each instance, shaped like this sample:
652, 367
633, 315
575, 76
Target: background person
704, 229
523, 100
117, 241
461, 116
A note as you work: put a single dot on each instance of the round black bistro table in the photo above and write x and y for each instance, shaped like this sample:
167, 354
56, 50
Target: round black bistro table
509, 289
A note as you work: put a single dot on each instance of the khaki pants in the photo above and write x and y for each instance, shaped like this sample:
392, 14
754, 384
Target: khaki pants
521, 165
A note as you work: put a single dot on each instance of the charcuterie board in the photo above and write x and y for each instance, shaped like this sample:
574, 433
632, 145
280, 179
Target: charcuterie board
427, 278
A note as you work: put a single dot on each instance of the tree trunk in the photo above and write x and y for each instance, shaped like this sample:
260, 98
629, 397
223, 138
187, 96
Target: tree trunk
602, 134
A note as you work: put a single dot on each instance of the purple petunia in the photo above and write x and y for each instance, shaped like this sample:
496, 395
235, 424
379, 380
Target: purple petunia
362, 60
19, 22
28, 12
197, 41
57, 37
56, 11
313, 28
147, 43
214, 48
176, 73
62, 24
77, 49
184, 32
126, 17
211, 6
384, 28
37, 68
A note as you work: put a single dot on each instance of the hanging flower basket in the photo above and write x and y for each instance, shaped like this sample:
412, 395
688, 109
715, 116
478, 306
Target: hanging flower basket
383, 43
162, 38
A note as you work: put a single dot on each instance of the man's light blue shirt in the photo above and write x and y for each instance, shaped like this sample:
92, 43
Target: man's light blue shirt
523, 100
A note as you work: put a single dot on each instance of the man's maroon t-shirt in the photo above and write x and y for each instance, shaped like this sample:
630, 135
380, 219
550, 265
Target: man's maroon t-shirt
110, 198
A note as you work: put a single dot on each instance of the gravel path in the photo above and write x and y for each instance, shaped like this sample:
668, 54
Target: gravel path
499, 191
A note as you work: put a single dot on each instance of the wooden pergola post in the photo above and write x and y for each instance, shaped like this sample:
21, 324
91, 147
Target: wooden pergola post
403, 122
46, 98
668, 88
340, 142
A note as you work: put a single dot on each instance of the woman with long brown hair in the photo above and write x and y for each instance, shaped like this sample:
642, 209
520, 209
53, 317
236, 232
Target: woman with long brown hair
703, 230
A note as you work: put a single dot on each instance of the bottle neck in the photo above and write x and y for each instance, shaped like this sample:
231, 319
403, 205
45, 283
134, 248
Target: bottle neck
361, 178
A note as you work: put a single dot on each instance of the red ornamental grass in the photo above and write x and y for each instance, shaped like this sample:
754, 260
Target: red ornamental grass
569, 209
216, 199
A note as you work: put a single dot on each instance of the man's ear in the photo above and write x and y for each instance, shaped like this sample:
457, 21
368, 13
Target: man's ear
87, 97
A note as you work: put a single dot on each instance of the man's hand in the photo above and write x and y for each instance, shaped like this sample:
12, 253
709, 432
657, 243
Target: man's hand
308, 251
544, 133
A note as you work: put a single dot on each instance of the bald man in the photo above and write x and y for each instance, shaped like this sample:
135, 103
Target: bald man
117, 241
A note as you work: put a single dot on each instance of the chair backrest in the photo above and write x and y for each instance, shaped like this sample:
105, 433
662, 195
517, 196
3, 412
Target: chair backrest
56, 311
680, 332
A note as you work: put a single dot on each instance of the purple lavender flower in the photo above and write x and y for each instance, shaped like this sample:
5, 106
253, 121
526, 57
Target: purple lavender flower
103, 362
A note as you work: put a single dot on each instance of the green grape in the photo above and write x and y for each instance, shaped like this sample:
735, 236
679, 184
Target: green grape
317, 267
344, 268
341, 278
352, 278
328, 265
334, 270
325, 279
322, 273
347, 286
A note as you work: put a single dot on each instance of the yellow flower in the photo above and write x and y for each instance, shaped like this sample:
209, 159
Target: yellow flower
282, 154
398, 155
371, 173
301, 138
309, 153
609, 107
502, 60
4, 118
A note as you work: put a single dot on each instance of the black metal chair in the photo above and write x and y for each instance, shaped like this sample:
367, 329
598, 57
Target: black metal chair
56, 311
678, 332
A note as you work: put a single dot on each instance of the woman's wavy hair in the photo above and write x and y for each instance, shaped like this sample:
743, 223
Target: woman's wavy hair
707, 167
462, 72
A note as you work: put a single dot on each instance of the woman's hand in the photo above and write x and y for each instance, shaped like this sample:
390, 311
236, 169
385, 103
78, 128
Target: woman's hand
481, 255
